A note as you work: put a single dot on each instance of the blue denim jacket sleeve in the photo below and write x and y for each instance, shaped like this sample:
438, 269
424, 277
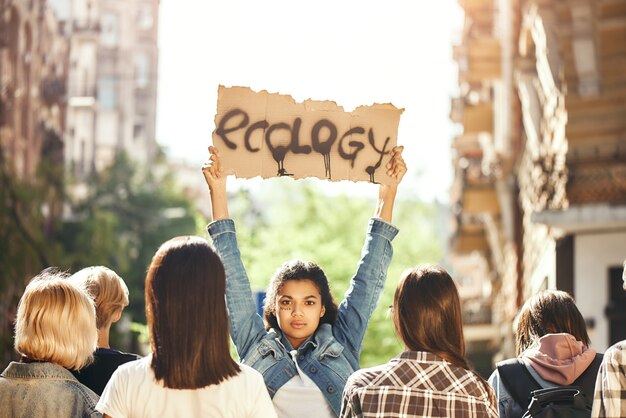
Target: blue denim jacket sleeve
507, 406
366, 285
246, 326
505, 402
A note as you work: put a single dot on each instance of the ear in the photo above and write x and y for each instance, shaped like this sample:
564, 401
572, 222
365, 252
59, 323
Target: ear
116, 317
323, 311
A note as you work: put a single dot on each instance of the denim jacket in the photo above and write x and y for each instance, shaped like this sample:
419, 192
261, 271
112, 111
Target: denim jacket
33, 390
332, 353
507, 407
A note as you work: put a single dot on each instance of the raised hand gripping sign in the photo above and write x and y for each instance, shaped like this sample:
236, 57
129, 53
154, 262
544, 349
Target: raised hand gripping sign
268, 134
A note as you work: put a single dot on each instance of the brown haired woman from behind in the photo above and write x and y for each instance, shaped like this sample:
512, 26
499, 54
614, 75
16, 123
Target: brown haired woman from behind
432, 377
190, 372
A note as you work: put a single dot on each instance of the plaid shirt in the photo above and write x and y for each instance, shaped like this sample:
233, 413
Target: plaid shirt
417, 384
610, 394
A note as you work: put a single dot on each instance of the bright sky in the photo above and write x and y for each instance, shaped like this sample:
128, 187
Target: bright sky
352, 52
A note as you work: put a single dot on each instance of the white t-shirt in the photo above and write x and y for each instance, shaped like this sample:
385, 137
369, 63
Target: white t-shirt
133, 392
301, 398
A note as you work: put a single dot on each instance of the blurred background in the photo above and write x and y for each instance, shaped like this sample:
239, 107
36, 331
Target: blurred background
514, 132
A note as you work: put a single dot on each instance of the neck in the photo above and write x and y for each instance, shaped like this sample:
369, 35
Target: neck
25, 359
103, 337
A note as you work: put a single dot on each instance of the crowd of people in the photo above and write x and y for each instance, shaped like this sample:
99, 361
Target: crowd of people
301, 357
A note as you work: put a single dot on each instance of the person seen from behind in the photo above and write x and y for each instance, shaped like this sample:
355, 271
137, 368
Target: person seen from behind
189, 372
432, 377
553, 346
110, 295
610, 393
55, 332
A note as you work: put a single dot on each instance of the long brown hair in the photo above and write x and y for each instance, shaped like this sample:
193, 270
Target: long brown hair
427, 314
186, 314
549, 312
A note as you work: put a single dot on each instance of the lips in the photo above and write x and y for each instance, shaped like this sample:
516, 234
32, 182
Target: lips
298, 324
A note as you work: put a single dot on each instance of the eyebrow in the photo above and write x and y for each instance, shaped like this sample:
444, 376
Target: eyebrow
291, 297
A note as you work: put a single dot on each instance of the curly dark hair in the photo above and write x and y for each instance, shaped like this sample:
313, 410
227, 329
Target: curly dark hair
298, 270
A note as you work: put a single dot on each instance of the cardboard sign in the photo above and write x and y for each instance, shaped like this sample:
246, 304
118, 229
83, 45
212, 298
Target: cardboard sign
269, 135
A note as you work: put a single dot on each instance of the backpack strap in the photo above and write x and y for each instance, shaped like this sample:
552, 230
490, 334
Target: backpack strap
587, 380
517, 380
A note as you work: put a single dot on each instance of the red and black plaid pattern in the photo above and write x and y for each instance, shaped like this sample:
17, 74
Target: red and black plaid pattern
609, 400
417, 384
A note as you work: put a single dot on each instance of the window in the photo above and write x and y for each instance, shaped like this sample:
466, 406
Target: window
137, 129
144, 16
109, 30
107, 92
142, 69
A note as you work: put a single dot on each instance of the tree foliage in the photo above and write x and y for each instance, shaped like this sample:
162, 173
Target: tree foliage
28, 207
122, 219
121, 222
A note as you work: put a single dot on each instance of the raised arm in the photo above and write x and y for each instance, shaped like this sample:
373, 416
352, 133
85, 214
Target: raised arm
246, 326
216, 180
368, 282
396, 168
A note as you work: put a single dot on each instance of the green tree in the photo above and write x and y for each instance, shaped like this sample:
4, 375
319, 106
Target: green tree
28, 207
127, 214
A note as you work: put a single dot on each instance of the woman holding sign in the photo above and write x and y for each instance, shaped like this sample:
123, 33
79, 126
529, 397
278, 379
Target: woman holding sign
307, 346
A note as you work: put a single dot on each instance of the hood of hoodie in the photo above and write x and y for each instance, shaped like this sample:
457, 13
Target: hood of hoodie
559, 358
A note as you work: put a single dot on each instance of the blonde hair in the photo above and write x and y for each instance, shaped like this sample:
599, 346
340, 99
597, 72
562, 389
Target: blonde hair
107, 289
56, 321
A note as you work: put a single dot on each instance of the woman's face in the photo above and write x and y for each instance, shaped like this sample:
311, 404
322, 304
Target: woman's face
298, 310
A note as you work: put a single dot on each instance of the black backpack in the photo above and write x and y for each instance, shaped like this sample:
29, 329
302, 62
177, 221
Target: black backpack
571, 401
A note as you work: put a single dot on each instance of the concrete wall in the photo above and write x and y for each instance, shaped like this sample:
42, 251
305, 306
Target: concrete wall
594, 254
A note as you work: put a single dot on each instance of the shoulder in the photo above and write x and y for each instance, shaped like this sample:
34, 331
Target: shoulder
87, 397
248, 379
114, 356
141, 365
248, 372
615, 356
616, 350
372, 376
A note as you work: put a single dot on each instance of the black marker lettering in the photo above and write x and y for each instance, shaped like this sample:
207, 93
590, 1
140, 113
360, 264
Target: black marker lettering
324, 147
262, 124
296, 148
221, 130
279, 151
356, 144
372, 169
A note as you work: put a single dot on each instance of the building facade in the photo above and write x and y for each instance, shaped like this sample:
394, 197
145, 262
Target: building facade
112, 80
540, 168
33, 70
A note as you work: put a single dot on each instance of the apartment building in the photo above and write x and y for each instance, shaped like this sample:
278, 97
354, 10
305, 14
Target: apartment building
32, 86
112, 81
540, 167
